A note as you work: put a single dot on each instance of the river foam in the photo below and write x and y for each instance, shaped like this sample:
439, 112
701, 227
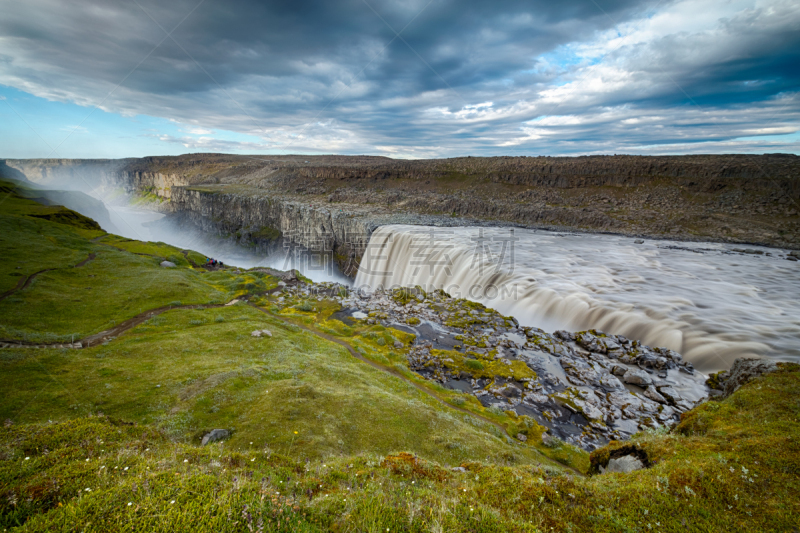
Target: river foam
705, 300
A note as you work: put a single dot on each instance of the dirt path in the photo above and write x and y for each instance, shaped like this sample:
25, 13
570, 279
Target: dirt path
186, 255
103, 336
25, 282
92, 257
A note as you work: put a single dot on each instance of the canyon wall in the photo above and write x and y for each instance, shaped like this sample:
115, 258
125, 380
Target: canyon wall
268, 222
333, 203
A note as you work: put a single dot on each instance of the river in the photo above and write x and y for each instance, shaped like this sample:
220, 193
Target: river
707, 301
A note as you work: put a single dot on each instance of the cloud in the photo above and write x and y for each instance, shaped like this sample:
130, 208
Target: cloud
474, 76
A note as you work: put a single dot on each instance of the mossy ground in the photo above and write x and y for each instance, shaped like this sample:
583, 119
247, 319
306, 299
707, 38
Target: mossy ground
481, 365
376, 343
317, 434
729, 466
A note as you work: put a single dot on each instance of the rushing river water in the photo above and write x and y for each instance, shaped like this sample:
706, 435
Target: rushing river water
704, 300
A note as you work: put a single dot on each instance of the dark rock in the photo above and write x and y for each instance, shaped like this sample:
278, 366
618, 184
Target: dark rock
590, 342
564, 335
653, 394
745, 370
214, 436
637, 377
670, 394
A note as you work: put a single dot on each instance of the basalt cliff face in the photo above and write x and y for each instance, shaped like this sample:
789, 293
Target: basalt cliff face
268, 222
333, 203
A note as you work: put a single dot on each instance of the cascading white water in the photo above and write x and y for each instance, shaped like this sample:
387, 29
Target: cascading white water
701, 299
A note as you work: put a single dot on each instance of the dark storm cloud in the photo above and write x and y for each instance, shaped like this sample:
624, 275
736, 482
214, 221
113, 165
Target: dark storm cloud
462, 76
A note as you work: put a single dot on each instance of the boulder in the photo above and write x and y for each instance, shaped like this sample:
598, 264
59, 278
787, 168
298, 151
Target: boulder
549, 440
214, 436
168, 264
622, 465
510, 391
670, 394
591, 343
521, 437
638, 241
611, 382
745, 370
564, 335
652, 394
637, 377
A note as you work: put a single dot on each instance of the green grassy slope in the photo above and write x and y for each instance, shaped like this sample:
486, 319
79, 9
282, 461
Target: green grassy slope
731, 466
186, 371
318, 435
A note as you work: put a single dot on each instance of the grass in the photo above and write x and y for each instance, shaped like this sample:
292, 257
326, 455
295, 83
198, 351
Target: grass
188, 372
138, 479
376, 343
117, 285
158, 250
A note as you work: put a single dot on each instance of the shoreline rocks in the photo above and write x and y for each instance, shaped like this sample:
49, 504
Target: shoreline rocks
587, 388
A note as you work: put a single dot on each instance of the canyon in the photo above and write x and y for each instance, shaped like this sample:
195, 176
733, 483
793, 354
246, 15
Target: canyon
333, 204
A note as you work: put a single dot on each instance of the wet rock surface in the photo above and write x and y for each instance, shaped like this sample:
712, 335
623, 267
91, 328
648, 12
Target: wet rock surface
586, 387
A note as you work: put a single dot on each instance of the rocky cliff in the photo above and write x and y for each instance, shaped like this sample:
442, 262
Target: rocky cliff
332, 203
268, 222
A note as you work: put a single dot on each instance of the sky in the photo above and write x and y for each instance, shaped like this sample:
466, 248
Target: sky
411, 79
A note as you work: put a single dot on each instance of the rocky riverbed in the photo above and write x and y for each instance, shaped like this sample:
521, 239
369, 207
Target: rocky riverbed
586, 387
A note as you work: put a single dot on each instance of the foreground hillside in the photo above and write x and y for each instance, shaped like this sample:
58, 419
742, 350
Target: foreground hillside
115, 367
729, 466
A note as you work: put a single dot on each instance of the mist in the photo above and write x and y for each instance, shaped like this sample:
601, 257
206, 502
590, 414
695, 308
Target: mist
118, 212
147, 225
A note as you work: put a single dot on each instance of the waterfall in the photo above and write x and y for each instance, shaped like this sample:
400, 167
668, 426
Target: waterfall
706, 301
